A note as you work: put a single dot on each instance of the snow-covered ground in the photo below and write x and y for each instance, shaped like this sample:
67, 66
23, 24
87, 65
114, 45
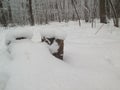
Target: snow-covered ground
91, 58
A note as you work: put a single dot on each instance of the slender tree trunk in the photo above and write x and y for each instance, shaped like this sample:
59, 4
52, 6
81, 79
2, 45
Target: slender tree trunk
30, 11
73, 3
102, 11
3, 15
46, 16
86, 11
45, 9
57, 7
108, 9
118, 8
116, 19
94, 11
10, 12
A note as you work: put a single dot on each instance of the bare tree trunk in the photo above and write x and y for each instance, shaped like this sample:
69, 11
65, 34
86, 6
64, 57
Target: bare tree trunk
57, 7
30, 11
46, 16
102, 12
108, 9
45, 10
73, 3
116, 20
118, 8
86, 11
10, 12
94, 11
3, 19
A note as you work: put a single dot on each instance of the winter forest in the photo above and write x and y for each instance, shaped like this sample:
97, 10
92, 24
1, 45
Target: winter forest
59, 44
24, 12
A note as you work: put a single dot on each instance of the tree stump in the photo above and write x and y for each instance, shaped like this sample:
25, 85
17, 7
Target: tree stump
52, 42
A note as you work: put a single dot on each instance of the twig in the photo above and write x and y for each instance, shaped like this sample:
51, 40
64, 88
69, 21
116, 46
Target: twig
99, 29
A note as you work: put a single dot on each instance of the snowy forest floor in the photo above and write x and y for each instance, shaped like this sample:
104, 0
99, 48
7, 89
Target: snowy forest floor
91, 60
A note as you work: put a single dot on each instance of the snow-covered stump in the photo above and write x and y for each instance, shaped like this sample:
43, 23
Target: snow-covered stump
56, 46
60, 52
55, 41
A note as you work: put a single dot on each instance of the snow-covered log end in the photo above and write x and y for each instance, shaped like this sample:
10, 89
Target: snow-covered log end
55, 41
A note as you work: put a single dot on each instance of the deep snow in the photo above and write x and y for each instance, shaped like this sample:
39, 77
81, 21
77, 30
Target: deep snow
91, 61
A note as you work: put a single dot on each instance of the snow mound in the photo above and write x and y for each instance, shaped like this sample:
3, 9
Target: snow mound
53, 33
19, 34
3, 80
54, 47
91, 62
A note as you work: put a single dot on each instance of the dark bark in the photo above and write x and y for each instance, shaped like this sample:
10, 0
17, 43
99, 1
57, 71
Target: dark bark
57, 7
86, 12
30, 11
1, 6
116, 20
94, 12
3, 19
46, 16
10, 12
73, 3
102, 11
108, 9
118, 8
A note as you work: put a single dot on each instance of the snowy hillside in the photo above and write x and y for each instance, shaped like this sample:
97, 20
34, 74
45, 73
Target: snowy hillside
91, 58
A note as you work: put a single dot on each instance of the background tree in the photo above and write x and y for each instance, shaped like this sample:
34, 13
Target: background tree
102, 11
10, 12
23, 12
86, 11
3, 15
115, 15
73, 3
108, 9
30, 12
